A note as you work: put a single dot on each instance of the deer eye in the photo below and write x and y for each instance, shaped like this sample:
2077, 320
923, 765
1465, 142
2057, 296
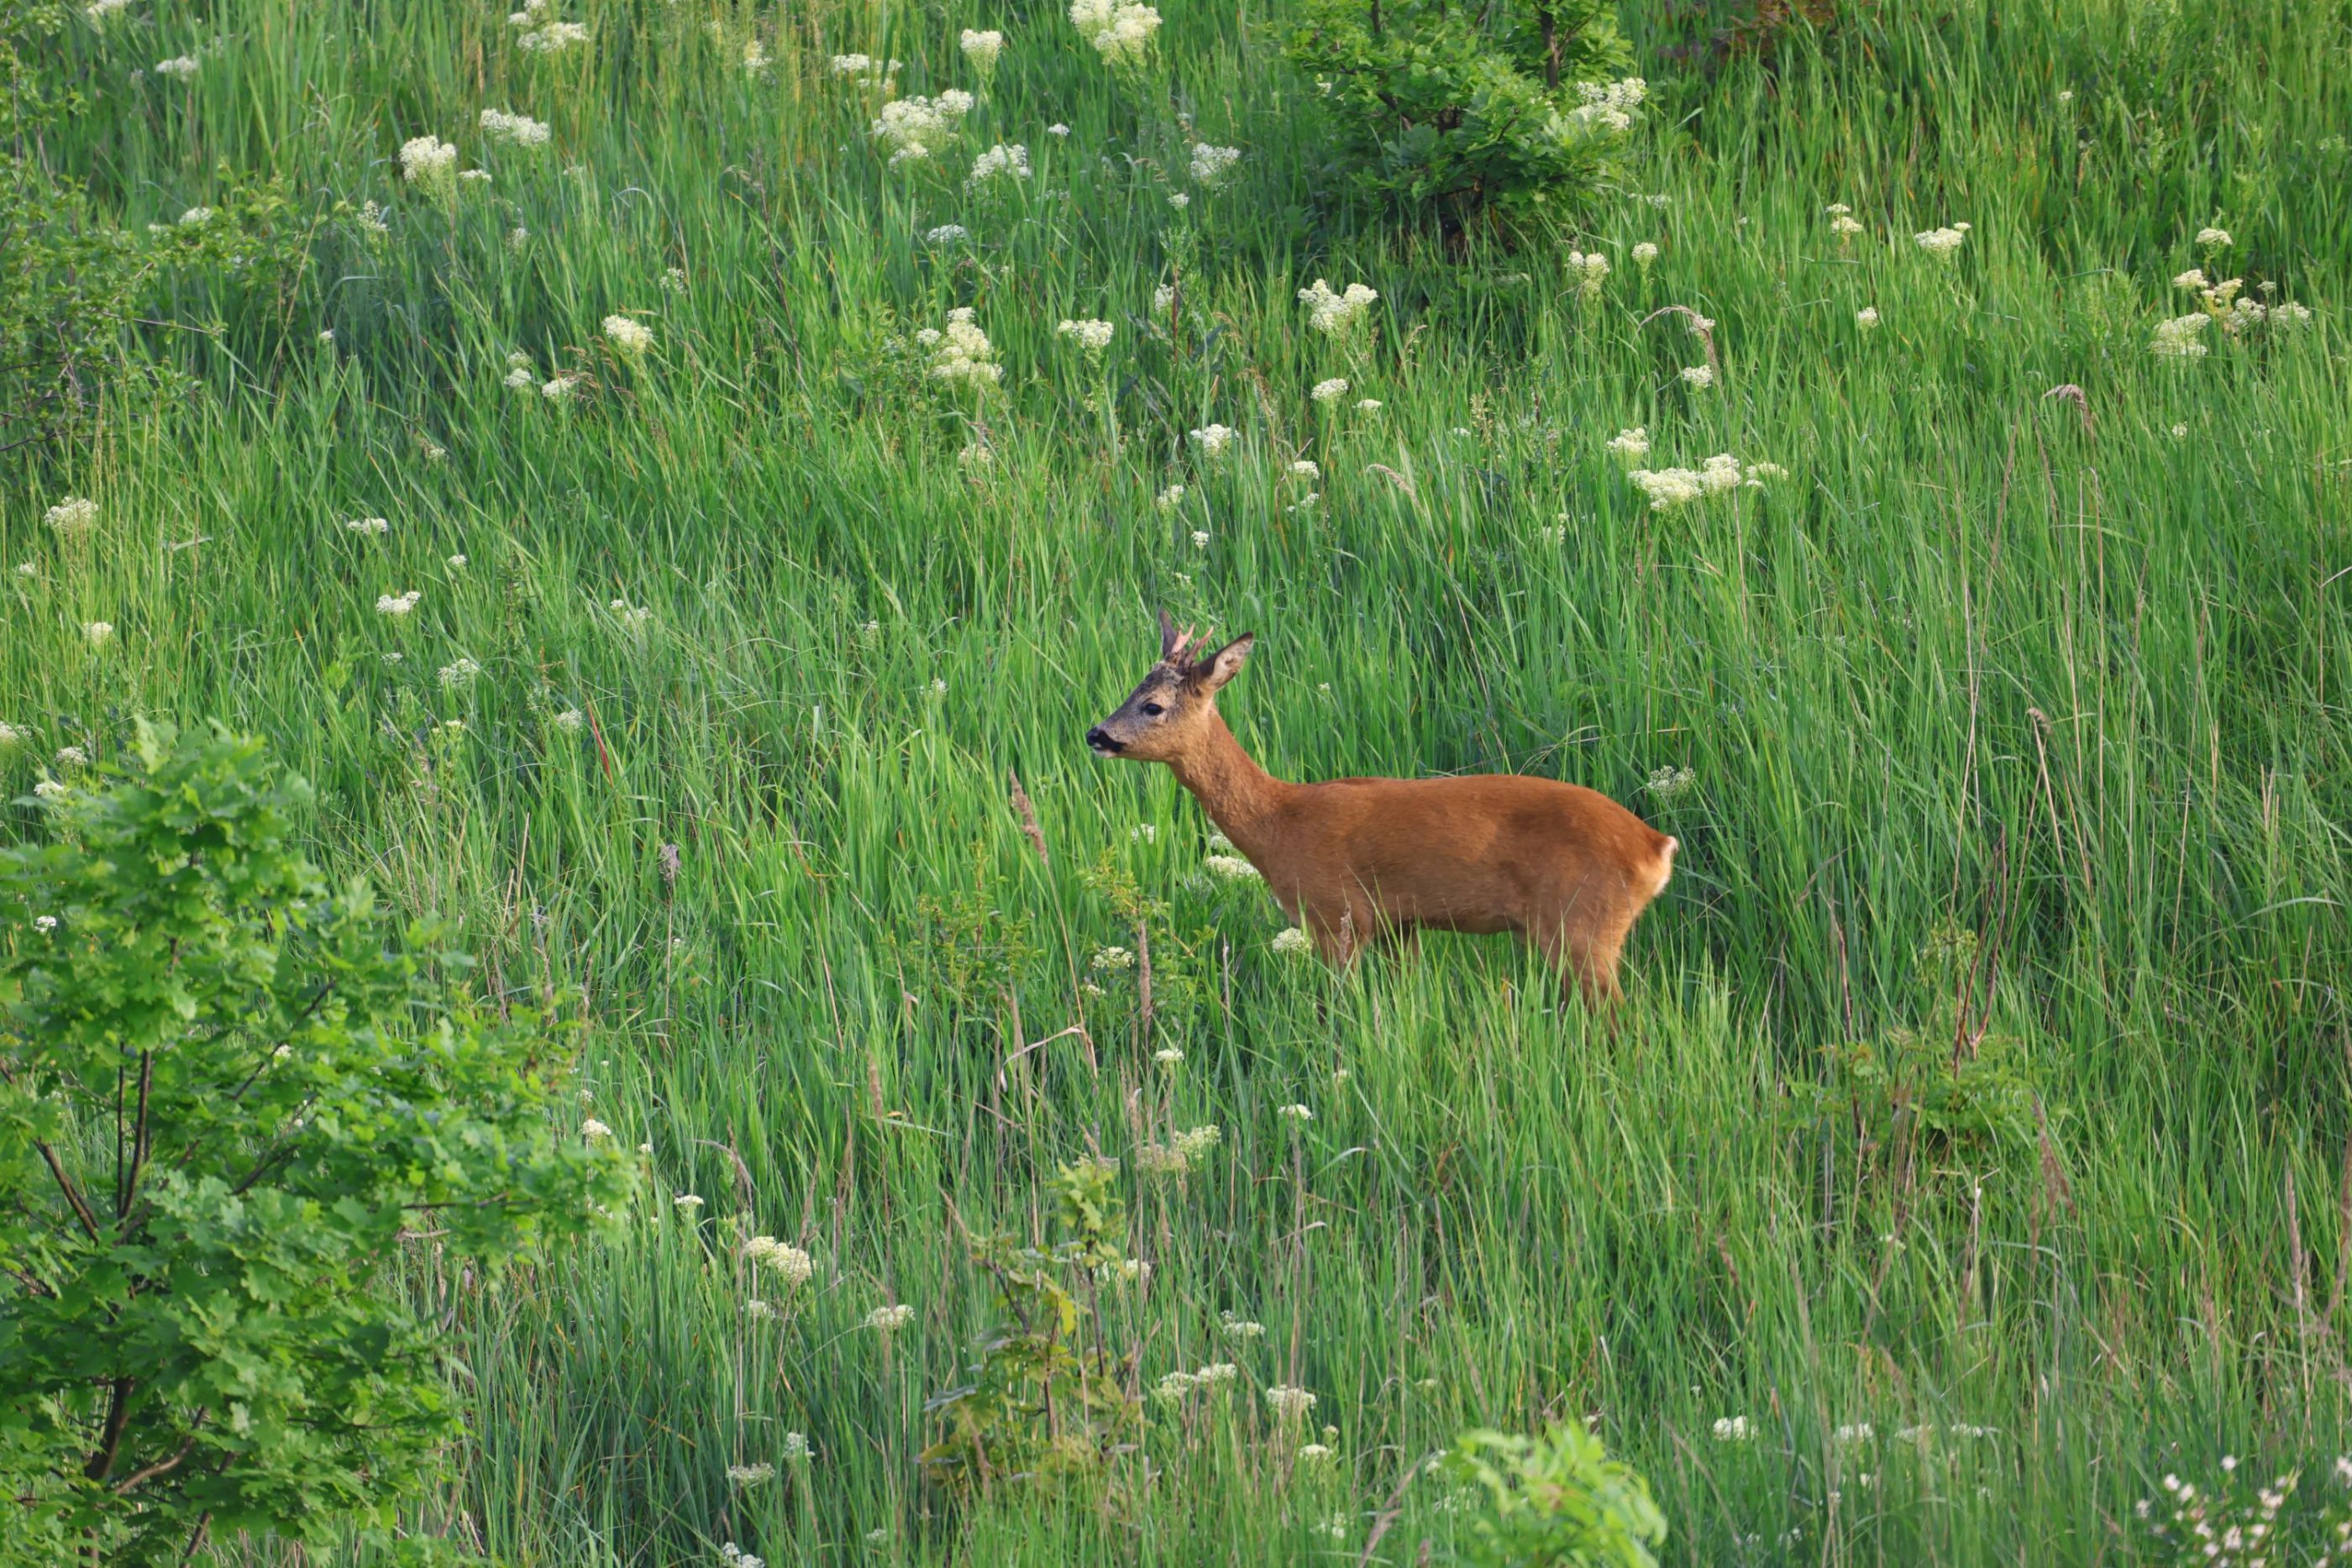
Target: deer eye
1154, 709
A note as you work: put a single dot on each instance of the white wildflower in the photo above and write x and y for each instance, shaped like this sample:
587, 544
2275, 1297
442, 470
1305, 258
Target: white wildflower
999, 163
1645, 254
460, 674
429, 163
1331, 390
1369, 406
99, 634
982, 49
1698, 378
1295, 1113
593, 1130
371, 526
686, 1203
755, 57
2181, 338
1331, 313
1733, 1429
1213, 439
751, 1475
97, 11
1608, 106
795, 1266
396, 604
1231, 868
961, 354
1866, 317
1307, 469
630, 338
518, 130
10, 735
1590, 270
887, 1319
1107, 959
1290, 1404
1631, 444
74, 515
196, 218
554, 38
947, 233
1211, 165
1120, 30
918, 127
180, 67
1093, 336
2214, 239
71, 757
570, 721
1290, 939
1942, 243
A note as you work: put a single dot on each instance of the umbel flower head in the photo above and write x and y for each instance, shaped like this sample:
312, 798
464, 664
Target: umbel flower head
518, 130
1332, 314
1000, 163
630, 338
982, 49
1120, 30
429, 163
1942, 244
962, 355
919, 127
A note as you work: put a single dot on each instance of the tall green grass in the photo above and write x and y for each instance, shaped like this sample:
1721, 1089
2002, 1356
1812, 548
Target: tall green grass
2068, 674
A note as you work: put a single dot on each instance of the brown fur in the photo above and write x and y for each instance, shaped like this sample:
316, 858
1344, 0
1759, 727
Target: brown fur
1356, 860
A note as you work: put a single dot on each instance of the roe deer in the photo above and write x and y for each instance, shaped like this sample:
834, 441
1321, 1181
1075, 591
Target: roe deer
1362, 858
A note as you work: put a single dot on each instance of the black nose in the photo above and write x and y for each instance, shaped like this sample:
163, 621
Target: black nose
1099, 741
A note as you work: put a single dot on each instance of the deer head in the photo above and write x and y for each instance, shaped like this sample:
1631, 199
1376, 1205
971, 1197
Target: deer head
1164, 717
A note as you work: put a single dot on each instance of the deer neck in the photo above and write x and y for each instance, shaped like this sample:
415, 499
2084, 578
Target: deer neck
1240, 796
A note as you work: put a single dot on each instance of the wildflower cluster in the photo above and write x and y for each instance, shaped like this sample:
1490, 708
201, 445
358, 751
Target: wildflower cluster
793, 1265
1590, 270
1211, 165
1000, 162
1214, 1378
1332, 314
518, 130
919, 127
430, 164
537, 31
1942, 243
1668, 488
1093, 336
1609, 106
74, 515
962, 355
865, 69
1120, 30
630, 338
1176, 1156
982, 49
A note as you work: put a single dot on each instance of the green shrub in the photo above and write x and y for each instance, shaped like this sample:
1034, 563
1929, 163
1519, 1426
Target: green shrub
1478, 116
230, 1103
1554, 1501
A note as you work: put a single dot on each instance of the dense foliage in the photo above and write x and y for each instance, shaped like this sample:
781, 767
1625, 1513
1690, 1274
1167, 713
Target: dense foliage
1473, 115
232, 1102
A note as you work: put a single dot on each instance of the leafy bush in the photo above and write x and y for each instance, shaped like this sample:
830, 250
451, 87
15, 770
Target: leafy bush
229, 1105
1048, 1401
1554, 1501
1477, 115
1956, 1091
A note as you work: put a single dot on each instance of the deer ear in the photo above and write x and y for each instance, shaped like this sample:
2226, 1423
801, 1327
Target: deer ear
1167, 635
1225, 663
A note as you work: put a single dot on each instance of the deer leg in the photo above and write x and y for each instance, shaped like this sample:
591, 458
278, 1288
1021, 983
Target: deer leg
1585, 957
1339, 940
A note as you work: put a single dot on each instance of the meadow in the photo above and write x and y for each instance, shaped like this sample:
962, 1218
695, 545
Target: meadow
1972, 1149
